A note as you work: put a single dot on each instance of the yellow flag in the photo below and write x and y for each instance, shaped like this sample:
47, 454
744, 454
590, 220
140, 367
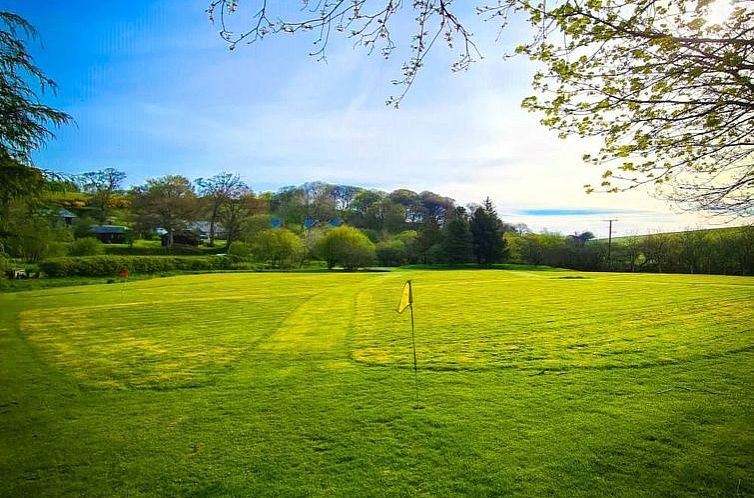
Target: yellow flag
407, 298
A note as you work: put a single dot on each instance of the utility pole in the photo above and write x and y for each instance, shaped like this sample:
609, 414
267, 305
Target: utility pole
610, 244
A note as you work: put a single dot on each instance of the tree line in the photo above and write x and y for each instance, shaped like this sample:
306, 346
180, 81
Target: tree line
341, 225
724, 251
396, 228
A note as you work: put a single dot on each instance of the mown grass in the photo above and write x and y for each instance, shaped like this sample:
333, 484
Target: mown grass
530, 384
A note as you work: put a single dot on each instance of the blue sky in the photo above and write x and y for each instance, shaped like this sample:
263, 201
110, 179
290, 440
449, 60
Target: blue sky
154, 91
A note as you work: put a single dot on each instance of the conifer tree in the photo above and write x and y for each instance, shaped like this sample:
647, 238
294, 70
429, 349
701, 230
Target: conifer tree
457, 241
487, 234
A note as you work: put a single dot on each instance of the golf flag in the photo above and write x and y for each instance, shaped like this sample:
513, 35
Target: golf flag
407, 298
407, 301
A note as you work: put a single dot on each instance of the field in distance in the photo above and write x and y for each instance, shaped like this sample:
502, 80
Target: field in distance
530, 383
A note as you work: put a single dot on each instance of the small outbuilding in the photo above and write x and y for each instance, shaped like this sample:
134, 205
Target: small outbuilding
68, 217
109, 234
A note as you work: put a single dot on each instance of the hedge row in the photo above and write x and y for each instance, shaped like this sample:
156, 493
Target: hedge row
177, 249
111, 266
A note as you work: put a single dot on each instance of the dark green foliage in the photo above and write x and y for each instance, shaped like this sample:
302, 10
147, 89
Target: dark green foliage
87, 246
24, 121
183, 238
727, 251
429, 236
487, 234
103, 266
177, 249
418, 228
457, 244
436, 207
371, 234
82, 227
18, 182
410, 239
317, 201
391, 253
32, 237
553, 249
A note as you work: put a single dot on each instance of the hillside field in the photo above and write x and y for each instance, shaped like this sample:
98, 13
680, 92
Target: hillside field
530, 383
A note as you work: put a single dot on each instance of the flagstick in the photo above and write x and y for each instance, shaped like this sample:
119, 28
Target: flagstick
407, 301
416, 371
413, 341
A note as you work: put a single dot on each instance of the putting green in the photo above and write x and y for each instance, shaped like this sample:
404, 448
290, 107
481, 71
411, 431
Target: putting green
530, 383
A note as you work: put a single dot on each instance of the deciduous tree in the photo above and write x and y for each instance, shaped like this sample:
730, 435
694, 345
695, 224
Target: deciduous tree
668, 91
280, 247
237, 210
102, 185
217, 191
346, 246
168, 202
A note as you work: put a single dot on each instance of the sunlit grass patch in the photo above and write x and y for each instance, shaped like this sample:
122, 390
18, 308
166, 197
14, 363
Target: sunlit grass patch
501, 320
161, 345
164, 334
302, 385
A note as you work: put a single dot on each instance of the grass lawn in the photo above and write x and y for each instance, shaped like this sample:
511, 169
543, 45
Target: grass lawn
270, 384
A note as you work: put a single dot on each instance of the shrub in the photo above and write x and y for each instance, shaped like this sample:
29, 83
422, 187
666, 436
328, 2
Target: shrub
104, 266
240, 249
86, 247
183, 249
391, 253
371, 234
35, 239
346, 246
410, 239
280, 247
435, 254
255, 224
150, 251
312, 237
56, 249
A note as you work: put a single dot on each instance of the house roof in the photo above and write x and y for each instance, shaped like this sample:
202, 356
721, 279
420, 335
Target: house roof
64, 213
108, 229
